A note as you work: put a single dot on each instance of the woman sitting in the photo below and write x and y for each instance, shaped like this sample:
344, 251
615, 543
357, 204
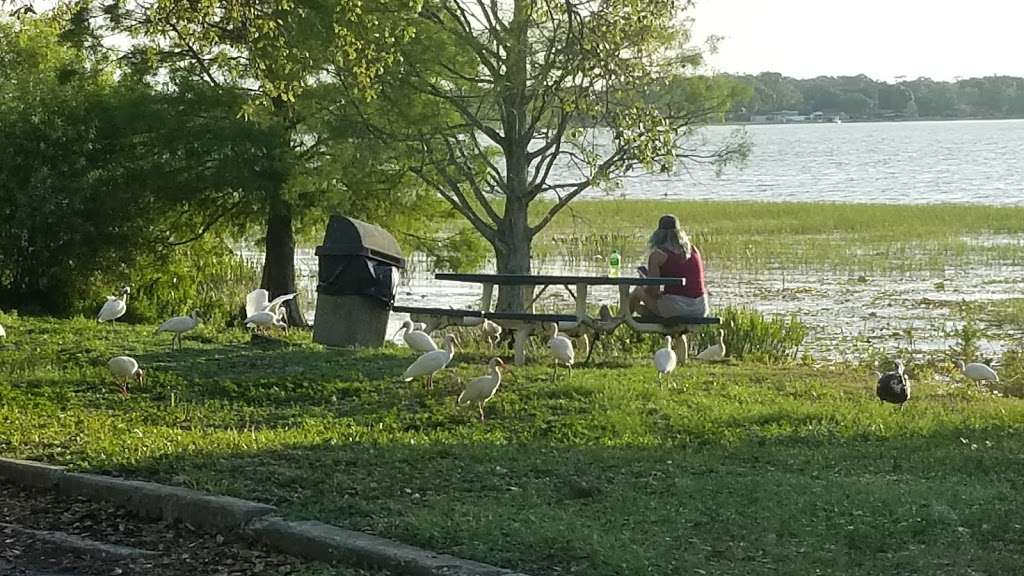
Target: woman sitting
672, 256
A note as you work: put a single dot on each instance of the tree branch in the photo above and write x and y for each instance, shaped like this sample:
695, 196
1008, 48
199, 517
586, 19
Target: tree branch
458, 201
463, 163
206, 228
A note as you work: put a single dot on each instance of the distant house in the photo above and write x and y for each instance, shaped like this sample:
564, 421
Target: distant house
820, 116
782, 116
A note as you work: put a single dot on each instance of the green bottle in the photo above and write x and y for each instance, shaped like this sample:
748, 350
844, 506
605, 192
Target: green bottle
614, 263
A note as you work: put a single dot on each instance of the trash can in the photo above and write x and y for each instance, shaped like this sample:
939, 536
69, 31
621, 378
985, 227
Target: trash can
358, 275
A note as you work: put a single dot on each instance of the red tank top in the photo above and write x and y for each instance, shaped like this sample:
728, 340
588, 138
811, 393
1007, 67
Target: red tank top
679, 266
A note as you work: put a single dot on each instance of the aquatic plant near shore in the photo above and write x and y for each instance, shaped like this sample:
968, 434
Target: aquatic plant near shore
751, 335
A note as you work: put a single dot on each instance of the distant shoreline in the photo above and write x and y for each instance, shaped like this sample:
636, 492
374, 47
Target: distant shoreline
870, 121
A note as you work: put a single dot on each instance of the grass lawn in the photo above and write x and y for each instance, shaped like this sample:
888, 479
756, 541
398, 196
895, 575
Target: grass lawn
731, 469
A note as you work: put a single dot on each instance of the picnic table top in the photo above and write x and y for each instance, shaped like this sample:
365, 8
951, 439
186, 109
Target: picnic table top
544, 280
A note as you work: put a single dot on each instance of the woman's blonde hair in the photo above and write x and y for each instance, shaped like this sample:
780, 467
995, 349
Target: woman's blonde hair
670, 236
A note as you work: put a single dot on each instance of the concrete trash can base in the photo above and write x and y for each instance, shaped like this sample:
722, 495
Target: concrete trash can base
358, 273
353, 321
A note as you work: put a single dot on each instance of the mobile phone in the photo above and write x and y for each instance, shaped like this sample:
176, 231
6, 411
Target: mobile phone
642, 270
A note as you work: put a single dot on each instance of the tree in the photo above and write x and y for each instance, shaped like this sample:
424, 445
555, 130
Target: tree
776, 92
519, 90
98, 167
266, 53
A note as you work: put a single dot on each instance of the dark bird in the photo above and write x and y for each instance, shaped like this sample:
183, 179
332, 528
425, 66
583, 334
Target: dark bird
894, 386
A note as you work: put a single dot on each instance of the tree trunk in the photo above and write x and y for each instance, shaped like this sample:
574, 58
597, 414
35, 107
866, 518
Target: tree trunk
512, 255
512, 250
279, 259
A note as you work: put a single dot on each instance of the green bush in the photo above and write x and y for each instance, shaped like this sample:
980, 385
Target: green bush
205, 275
101, 175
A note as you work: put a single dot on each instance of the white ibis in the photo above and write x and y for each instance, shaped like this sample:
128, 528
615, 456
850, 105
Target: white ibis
561, 350
716, 352
259, 301
665, 359
124, 368
977, 371
178, 326
265, 319
3, 333
491, 331
894, 387
430, 362
114, 307
416, 339
482, 389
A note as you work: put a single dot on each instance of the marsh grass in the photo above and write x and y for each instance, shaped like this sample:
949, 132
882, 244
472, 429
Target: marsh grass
862, 238
1009, 312
749, 335
738, 468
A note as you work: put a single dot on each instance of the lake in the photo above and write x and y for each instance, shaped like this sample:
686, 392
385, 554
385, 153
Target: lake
905, 162
886, 162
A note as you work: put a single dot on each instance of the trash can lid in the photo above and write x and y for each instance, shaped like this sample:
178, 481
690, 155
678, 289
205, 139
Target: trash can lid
348, 236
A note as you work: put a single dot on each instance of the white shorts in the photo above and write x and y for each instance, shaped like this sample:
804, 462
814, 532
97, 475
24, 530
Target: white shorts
670, 305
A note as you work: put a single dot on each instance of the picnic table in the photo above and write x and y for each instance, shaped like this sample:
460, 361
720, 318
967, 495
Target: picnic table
523, 324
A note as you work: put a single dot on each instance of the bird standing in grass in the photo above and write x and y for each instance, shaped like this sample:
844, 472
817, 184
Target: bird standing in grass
482, 389
977, 371
491, 331
716, 352
430, 362
178, 326
124, 368
665, 359
3, 333
561, 350
894, 387
417, 340
114, 307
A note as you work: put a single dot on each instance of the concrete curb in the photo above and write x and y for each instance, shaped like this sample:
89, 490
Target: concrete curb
320, 541
250, 520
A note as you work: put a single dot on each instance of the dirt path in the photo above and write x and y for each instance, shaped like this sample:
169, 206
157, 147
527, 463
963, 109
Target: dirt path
42, 535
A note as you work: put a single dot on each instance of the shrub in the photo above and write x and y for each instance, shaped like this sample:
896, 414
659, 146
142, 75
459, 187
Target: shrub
205, 275
101, 174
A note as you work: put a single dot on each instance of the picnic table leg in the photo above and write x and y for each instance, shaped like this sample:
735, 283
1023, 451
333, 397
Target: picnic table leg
581, 302
521, 336
624, 310
485, 303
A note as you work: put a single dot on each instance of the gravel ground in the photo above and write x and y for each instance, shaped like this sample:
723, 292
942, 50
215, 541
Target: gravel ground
178, 549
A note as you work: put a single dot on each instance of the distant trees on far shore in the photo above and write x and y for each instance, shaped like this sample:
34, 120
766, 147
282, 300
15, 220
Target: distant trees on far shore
860, 97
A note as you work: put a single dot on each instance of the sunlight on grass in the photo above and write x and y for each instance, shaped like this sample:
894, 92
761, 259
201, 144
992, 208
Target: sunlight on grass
736, 468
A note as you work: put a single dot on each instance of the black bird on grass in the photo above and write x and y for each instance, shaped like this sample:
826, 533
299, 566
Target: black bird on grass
894, 387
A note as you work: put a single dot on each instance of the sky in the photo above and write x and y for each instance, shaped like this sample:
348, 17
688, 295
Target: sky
941, 39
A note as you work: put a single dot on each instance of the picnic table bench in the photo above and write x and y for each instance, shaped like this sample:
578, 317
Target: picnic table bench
523, 324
